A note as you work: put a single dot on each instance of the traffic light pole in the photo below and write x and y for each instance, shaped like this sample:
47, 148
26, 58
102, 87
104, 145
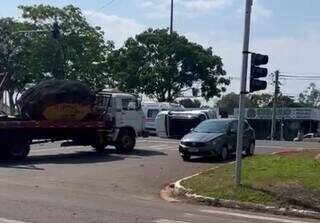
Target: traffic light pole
243, 91
275, 101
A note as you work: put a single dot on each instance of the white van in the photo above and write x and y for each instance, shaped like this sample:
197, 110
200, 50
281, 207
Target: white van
175, 124
151, 110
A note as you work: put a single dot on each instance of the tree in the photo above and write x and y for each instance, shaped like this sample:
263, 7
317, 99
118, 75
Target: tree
261, 100
162, 66
311, 96
80, 52
189, 103
230, 101
14, 57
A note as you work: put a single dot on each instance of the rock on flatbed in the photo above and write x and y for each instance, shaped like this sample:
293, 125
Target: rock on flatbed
57, 100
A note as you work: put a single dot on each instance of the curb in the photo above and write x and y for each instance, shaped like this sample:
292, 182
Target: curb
181, 191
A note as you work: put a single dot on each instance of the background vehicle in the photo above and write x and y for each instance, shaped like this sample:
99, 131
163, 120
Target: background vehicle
216, 138
310, 137
177, 124
116, 119
152, 109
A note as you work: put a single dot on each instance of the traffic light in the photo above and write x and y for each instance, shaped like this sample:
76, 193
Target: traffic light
257, 72
56, 31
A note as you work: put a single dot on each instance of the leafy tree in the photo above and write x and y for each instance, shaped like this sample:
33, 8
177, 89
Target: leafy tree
162, 66
230, 101
14, 57
311, 96
80, 52
261, 100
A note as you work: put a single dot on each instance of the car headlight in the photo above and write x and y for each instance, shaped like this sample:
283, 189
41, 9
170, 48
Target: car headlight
213, 142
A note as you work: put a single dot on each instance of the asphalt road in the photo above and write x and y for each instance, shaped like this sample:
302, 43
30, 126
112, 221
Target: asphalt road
79, 185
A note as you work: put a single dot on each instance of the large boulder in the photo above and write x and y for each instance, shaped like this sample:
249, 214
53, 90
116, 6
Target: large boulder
57, 100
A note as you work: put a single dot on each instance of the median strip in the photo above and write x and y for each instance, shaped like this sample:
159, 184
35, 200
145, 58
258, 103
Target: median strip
284, 183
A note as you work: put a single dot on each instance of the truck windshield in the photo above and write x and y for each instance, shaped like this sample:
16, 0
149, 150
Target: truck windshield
211, 127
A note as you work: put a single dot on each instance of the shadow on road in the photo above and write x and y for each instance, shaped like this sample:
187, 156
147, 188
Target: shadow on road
137, 152
80, 157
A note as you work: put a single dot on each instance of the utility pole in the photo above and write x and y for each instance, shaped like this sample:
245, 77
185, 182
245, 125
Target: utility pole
245, 53
171, 18
275, 100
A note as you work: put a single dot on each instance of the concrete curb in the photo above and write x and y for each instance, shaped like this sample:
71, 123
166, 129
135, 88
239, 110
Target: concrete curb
181, 191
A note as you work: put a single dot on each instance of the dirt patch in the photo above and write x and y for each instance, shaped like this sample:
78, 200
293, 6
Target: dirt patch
297, 195
312, 152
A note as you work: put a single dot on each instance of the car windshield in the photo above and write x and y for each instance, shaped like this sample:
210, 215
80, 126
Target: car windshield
211, 127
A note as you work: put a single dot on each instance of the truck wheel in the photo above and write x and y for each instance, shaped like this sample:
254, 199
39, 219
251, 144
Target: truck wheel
18, 150
125, 142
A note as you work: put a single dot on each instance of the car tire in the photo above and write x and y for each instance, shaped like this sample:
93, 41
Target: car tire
186, 157
224, 154
251, 149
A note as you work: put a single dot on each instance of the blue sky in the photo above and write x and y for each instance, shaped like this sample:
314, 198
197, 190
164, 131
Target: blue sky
287, 30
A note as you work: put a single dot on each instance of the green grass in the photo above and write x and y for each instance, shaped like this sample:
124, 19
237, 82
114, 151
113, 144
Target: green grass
281, 180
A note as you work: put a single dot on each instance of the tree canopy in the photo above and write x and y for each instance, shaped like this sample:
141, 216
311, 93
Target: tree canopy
80, 52
311, 96
161, 65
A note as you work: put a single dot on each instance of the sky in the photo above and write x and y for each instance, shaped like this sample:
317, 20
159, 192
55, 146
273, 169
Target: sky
286, 30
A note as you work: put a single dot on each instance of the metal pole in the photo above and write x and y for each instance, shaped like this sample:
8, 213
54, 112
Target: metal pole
171, 18
243, 90
274, 112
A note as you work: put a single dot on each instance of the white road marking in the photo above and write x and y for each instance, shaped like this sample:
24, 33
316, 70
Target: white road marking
5, 220
168, 221
254, 217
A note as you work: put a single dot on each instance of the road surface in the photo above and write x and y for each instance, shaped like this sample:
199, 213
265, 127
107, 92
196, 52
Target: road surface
79, 185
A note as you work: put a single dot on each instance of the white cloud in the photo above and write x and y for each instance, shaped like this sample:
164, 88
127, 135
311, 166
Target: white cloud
161, 8
297, 56
116, 28
203, 5
259, 12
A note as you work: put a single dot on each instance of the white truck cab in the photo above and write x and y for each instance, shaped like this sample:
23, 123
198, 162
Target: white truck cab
125, 111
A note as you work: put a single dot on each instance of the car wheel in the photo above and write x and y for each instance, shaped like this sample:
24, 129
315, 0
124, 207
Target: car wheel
186, 157
251, 149
224, 154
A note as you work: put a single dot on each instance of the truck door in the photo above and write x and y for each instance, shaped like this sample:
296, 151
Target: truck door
129, 113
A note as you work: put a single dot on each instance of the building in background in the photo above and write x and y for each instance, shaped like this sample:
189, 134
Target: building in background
292, 120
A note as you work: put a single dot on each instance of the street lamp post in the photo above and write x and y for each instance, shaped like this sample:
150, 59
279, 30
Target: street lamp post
171, 18
245, 53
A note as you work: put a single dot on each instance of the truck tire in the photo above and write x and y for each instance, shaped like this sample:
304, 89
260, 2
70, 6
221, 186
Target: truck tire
126, 141
18, 150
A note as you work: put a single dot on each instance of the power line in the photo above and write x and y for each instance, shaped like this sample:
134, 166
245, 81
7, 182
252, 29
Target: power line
105, 5
300, 73
101, 8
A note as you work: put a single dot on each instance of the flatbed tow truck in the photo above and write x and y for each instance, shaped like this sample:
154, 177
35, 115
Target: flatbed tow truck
118, 120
